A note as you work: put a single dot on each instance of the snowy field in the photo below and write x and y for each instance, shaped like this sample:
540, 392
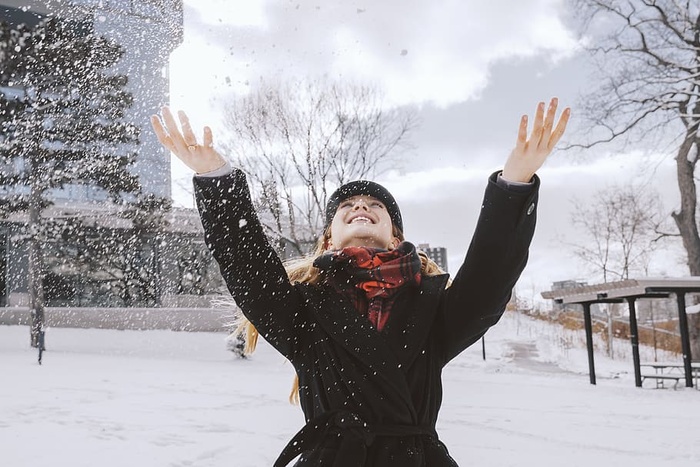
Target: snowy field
160, 398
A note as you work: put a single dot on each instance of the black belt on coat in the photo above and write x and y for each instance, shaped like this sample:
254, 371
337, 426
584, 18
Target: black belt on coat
357, 436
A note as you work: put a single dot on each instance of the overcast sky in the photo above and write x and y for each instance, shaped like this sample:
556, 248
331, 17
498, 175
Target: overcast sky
471, 68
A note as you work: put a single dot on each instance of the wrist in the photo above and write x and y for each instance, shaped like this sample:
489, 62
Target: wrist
222, 169
514, 177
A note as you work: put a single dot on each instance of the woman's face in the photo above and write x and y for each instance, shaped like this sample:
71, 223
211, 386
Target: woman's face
362, 221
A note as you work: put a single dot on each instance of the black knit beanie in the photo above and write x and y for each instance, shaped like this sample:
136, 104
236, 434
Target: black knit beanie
363, 187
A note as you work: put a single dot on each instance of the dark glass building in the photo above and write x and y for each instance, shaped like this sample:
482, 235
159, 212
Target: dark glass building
148, 31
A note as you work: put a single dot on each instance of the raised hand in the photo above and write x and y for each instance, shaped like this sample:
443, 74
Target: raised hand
183, 143
530, 153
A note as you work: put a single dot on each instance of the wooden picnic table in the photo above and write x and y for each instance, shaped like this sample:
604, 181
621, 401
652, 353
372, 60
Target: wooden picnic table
670, 371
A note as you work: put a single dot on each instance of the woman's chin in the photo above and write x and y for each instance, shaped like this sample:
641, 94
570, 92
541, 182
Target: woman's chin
369, 241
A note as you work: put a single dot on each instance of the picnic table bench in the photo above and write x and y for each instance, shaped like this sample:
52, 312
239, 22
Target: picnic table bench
670, 372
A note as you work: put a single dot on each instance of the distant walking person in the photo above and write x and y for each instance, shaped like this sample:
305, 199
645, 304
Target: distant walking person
367, 321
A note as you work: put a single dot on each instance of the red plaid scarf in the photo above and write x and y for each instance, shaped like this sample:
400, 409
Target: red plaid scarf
370, 277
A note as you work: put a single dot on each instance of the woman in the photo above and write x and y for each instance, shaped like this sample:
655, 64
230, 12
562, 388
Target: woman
366, 326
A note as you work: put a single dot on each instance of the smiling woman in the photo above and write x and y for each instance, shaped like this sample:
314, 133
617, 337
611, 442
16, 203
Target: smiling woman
367, 321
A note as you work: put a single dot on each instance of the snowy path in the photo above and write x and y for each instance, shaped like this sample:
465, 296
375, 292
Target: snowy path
525, 356
166, 399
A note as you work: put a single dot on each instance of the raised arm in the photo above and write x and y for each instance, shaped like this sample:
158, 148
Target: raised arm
498, 251
249, 265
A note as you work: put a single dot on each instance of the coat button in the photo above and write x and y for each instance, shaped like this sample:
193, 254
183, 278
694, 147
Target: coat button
530, 208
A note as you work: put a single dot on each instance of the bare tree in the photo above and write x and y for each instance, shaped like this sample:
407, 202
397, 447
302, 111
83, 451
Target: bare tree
649, 94
297, 141
621, 225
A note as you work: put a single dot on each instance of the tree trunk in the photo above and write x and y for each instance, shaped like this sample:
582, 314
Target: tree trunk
611, 334
694, 332
35, 286
35, 276
687, 226
156, 271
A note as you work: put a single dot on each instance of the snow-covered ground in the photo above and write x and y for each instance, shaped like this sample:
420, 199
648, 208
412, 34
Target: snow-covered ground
160, 398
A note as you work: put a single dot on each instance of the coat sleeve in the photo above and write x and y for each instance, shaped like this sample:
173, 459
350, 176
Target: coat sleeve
253, 272
495, 259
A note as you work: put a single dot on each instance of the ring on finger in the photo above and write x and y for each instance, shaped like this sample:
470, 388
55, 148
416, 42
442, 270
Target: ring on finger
192, 147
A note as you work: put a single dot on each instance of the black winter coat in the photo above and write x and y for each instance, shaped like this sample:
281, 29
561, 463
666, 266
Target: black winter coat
370, 398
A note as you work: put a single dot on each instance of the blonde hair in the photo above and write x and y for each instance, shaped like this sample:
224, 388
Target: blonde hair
302, 271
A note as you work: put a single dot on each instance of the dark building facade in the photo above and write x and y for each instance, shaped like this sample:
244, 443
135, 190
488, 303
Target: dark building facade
437, 254
569, 284
148, 31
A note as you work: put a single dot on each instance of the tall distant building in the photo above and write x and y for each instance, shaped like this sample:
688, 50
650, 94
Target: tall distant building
437, 254
569, 284
148, 30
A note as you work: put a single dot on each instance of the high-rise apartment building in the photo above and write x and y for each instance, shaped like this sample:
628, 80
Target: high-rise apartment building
148, 31
437, 254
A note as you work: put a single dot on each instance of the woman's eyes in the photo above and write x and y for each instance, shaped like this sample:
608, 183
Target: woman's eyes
374, 204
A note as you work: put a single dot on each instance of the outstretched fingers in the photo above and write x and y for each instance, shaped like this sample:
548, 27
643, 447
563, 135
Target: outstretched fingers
187, 134
208, 138
173, 130
531, 150
161, 134
559, 129
522, 134
538, 126
182, 142
549, 122
543, 137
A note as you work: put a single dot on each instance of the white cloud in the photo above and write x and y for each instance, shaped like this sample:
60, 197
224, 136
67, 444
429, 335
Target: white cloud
432, 184
234, 13
439, 52
441, 205
419, 51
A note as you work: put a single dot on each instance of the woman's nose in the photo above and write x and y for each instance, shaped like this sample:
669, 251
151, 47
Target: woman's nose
360, 204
